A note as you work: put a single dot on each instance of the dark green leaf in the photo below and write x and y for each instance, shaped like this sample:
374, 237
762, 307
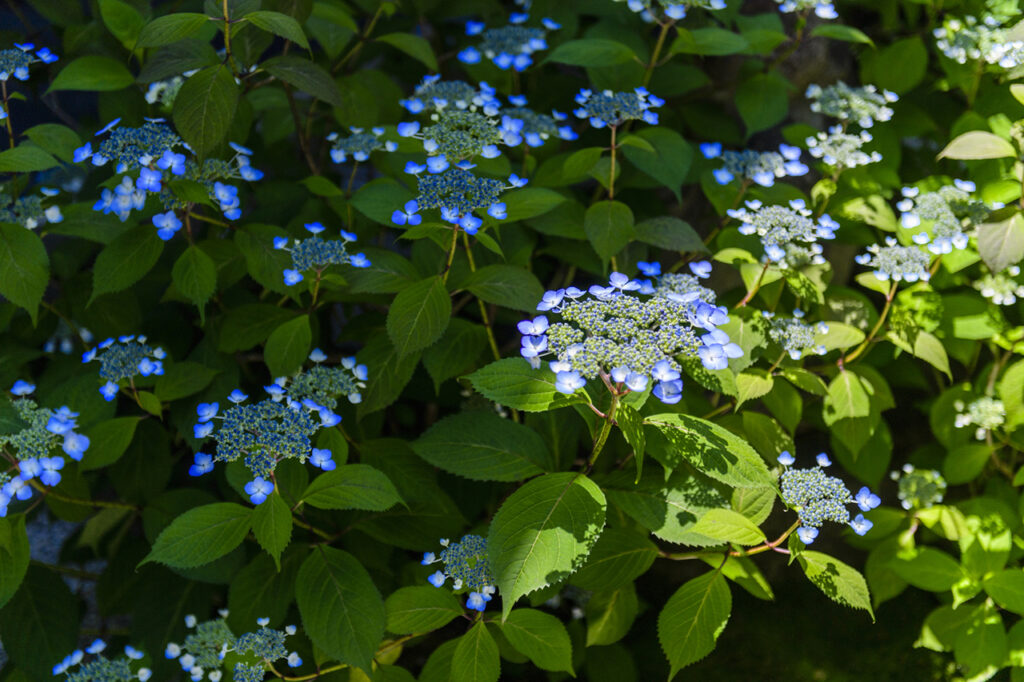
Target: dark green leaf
540, 637
205, 107
506, 285
108, 440
306, 76
24, 267
272, 525
288, 346
26, 158
591, 52
93, 72
419, 315
420, 609
609, 227
171, 28
693, 618
476, 655
201, 535
352, 486
413, 45
14, 556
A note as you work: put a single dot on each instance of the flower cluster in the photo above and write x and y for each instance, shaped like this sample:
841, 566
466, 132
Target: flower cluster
165, 91
607, 108
102, 669
466, 563
28, 211
457, 193
123, 359
434, 94
626, 338
677, 286
823, 9
508, 46
359, 145
949, 212
789, 235
760, 167
986, 413
265, 432
457, 135
796, 337
324, 385
861, 105
919, 488
670, 8
968, 39
1000, 287
537, 128
29, 448
15, 61
315, 253
840, 149
817, 498
151, 151
896, 262
63, 338
204, 649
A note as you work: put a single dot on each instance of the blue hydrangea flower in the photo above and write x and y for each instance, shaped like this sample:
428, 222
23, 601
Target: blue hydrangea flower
818, 498
315, 253
467, 565
258, 489
359, 144
28, 210
762, 168
650, 10
861, 105
789, 235
607, 108
510, 46
125, 358
433, 95
842, 150
797, 338
16, 61
823, 9
458, 193
944, 216
102, 669
895, 262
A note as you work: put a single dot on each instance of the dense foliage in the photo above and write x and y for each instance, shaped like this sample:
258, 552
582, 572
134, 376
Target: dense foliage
457, 339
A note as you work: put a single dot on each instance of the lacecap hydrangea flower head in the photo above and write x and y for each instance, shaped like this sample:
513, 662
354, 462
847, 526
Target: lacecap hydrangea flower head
316, 253
919, 488
969, 39
861, 105
612, 109
627, 338
1002, 288
465, 563
204, 650
797, 338
359, 144
789, 234
538, 128
822, 8
663, 10
895, 262
75, 668
510, 46
16, 61
842, 150
433, 95
28, 210
818, 498
985, 413
943, 217
749, 165
124, 358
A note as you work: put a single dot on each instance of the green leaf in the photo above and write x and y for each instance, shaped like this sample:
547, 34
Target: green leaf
93, 73
632, 426
670, 233
377, 200
840, 583
476, 656
693, 618
752, 384
506, 285
669, 163
540, 637
846, 399
712, 450
201, 535
610, 615
14, 556
456, 352
305, 75
390, 374
171, 28
24, 267
978, 144
278, 24
840, 32
248, 325
26, 158
529, 202
124, 261
714, 42
579, 164
205, 107
419, 315
513, 383
416, 47
1002, 244
352, 486
729, 526
420, 609
484, 447
928, 569
591, 52
839, 336
122, 20
342, 611
183, 379
1005, 587
609, 227
150, 403
58, 140
39, 625
272, 525
10, 421
262, 590
762, 101
618, 558
543, 532
288, 346
108, 440
195, 276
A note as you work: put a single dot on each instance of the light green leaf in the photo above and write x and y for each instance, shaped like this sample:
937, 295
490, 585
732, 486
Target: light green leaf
420, 609
278, 24
618, 558
513, 383
929, 569
419, 315
693, 618
108, 440
476, 655
1006, 588
712, 450
543, 532
840, 32
752, 384
540, 637
24, 267
352, 486
484, 447
840, 583
978, 144
846, 399
839, 336
94, 73
272, 525
201, 535
1001, 244
26, 158
205, 107
610, 615
288, 346
342, 610
729, 526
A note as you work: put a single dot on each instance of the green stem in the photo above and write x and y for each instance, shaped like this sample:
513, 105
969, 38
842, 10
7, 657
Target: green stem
606, 430
483, 309
874, 330
362, 40
50, 492
657, 52
7, 119
753, 290
312, 529
451, 253
611, 172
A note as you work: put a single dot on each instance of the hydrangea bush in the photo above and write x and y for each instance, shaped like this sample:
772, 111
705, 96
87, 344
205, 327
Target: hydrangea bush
477, 340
